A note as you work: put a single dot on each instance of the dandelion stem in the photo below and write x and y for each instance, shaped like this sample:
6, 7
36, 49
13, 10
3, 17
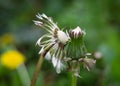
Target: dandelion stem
39, 65
74, 80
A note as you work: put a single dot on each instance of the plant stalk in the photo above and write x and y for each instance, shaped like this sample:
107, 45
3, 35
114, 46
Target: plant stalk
74, 80
39, 65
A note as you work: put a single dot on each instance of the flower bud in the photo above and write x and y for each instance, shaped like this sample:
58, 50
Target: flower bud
77, 32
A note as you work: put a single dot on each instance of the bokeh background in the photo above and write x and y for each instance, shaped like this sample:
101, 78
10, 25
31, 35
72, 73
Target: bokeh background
99, 18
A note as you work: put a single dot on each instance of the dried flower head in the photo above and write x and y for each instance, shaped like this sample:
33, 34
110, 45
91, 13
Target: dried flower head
88, 63
55, 38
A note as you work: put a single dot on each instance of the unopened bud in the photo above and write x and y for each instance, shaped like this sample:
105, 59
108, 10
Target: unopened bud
77, 32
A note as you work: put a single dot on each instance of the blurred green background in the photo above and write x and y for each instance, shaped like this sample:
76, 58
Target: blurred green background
99, 18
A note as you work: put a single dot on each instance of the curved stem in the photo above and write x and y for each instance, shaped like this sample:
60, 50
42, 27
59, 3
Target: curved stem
74, 80
39, 65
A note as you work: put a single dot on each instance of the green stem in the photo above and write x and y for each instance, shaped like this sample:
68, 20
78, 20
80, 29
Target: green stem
74, 80
39, 65
24, 76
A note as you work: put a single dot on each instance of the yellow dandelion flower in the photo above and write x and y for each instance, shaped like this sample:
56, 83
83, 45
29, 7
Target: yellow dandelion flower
12, 59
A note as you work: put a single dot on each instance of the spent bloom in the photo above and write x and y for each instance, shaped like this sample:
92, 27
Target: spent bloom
12, 59
55, 38
88, 63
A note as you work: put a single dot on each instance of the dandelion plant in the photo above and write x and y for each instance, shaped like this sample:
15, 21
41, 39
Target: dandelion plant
66, 50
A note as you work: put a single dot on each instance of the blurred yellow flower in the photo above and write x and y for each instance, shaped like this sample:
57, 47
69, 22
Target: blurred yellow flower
7, 39
12, 59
